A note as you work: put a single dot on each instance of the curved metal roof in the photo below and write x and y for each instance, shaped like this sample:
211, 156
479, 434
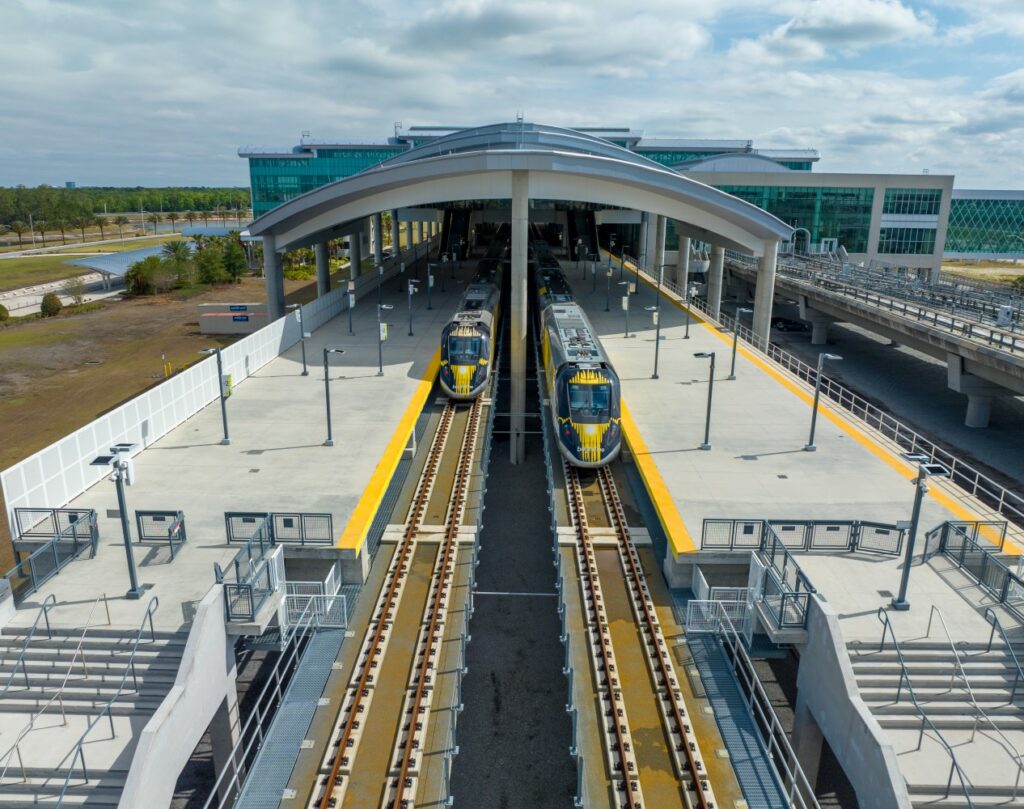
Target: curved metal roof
562, 164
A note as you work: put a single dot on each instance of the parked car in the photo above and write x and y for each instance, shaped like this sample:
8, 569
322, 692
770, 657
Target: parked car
788, 324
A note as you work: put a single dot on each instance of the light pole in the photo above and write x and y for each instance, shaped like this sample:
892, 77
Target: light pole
611, 245
120, 473
625, 305
381, 329
351, 303
656, 314
608, 290
736, 339
327, 393
412, 291
579, 255
689, 297
380, 283
303, 335
430, 283
822, 358
222, 385
924, 471
445, 259
711, 389
593, 271
401, 275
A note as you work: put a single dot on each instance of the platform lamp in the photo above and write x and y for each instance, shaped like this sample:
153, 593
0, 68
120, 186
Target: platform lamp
690, 292
430, 282
327, 392
413, 284
656, 314
625, 304
121, 473
382, 329
611, 245
822, 359
222, 387
925, 470
704, 355
297, 308
736, 339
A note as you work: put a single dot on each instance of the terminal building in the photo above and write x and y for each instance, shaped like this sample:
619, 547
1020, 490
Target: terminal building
907, 220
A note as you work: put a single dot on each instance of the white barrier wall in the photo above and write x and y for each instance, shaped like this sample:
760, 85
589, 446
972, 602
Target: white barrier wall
54, 476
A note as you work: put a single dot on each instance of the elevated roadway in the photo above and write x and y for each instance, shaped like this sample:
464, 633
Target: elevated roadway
983, 361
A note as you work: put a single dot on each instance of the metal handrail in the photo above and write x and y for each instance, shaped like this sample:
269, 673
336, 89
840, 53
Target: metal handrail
997, 624
1005, 502
883, 617
44, 612
780, 753
239, 756
58, 697
77, 752
1011, 749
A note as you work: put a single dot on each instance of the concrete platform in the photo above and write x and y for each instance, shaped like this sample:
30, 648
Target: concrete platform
760, 421
276, 461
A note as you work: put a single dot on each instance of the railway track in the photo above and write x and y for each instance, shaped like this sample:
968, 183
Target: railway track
685, 751
406, 759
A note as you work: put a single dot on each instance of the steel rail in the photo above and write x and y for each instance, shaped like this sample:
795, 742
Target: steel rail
384, 614
671, 702
600, 636
402, 793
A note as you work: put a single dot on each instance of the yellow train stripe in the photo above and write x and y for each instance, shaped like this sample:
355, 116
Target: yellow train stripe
679, 539
358, 525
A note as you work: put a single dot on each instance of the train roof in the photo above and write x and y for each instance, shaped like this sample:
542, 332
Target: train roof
578, 342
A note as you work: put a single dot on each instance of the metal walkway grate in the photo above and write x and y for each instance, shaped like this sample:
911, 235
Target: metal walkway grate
273, 766
748, 757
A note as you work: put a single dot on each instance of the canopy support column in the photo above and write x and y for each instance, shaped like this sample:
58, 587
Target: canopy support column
273, 275
518, 313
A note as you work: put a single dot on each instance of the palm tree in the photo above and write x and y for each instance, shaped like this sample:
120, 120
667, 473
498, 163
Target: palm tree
82, 222
40, 225
199, 240
61, 222
155, 218
101, 223
121, 221
176, 251
172, 217
190, 217
18, 228
206, 218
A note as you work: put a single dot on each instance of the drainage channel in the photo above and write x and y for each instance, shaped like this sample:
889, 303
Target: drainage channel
514, 733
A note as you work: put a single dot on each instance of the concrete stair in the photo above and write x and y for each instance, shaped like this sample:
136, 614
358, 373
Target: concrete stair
989, 760
94, 678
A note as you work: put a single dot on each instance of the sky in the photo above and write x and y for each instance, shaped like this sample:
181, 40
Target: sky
164, 92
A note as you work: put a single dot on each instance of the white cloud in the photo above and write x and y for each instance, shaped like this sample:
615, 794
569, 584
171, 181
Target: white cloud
821, 28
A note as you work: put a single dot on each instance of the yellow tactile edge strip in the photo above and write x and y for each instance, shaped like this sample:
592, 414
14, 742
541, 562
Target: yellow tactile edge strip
358, 525
871, 444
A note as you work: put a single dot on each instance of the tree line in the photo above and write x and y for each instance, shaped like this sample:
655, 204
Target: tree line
181, 265
46, 209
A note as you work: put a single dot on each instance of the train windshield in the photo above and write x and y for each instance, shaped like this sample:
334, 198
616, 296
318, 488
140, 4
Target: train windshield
464, 350
590, 399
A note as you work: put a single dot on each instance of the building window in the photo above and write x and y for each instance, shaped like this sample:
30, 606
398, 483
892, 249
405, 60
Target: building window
986, 226
912, 201
825, 212
906, 241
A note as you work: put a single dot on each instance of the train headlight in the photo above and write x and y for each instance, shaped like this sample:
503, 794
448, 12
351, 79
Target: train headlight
590, 429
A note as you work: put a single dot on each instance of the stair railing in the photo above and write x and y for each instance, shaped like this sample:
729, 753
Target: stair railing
15, 749
979, 712
77, 752
44, 613
992, 618
955, 767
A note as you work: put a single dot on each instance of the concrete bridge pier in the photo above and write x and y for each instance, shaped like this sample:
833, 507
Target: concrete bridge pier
979, 392
715, 281
764, 292
323, 269
819, 322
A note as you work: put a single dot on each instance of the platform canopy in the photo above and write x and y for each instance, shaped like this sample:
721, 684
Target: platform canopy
562, 164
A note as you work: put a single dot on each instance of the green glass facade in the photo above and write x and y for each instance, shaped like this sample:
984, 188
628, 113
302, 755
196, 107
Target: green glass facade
828, 213
278, 179
906, 241
980, 226
912, 201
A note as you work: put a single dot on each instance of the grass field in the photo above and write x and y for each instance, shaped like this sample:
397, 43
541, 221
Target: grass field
24, 271
1002, 271
58, 374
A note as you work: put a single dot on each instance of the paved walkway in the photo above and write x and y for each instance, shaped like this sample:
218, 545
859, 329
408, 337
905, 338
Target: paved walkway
277, 460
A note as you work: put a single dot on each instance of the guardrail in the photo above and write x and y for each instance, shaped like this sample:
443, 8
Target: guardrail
162, 526
954, 767
993, 619
717, 617
44, 614
958, 541
1003, 501
828, 536
77, 753
30, 573
286, 528
253, 577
